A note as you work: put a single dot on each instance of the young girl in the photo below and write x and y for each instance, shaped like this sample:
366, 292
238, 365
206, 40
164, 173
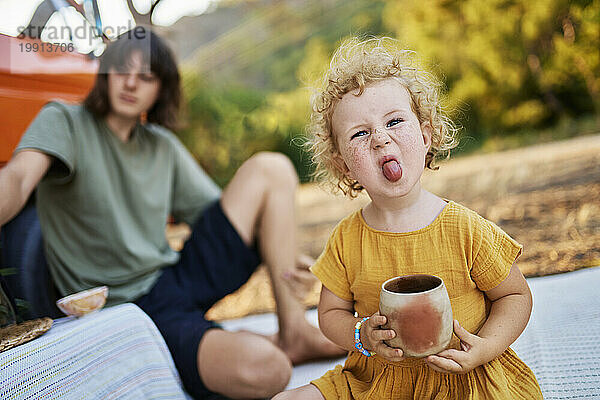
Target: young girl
377, 123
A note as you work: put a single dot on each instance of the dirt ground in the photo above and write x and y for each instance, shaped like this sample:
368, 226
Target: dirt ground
547, 197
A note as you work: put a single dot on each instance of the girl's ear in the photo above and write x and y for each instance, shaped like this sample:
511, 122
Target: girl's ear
427, 132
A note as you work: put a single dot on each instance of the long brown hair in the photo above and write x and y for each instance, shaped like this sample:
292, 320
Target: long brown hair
158, 56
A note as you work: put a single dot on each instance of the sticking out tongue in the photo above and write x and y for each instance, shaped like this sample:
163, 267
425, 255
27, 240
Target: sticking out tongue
392, 170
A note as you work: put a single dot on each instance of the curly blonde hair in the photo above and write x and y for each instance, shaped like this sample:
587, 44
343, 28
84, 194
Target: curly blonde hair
354, 65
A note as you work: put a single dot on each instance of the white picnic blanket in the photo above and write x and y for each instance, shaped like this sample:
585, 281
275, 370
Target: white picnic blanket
561, 343
117, 353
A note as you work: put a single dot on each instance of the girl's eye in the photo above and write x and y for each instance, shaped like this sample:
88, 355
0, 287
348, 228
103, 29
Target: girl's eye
359, 134
393, 122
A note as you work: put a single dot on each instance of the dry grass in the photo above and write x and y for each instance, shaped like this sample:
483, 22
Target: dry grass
547, 197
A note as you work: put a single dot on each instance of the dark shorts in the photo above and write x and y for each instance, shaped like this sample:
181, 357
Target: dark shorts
214, 263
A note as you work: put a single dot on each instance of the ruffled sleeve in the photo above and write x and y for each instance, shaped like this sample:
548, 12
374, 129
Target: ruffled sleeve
494, 253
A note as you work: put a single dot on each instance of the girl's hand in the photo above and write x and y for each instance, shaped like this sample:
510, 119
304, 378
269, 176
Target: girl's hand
452, 361
372, 337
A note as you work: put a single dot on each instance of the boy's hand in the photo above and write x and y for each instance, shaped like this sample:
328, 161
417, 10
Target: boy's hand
300, 280
452, 361
372, 337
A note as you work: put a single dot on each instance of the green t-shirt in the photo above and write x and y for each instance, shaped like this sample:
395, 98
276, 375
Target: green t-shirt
103, 205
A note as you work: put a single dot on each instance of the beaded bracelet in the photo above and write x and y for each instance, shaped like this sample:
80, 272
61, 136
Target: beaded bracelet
357, 342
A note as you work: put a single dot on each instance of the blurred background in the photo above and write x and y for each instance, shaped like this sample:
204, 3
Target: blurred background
522, 79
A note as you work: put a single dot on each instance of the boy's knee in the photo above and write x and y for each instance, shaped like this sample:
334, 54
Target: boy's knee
276, 167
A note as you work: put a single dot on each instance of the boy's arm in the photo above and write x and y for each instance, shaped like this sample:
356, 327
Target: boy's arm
509, 314
337, 321
18, 179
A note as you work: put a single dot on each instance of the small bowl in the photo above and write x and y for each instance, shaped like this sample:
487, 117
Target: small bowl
85, 302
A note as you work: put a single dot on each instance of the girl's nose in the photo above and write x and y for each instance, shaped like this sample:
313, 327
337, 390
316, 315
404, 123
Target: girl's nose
380, 139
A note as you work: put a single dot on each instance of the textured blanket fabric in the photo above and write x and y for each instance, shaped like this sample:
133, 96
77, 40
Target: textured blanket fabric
119, 353
115, 353
561, 343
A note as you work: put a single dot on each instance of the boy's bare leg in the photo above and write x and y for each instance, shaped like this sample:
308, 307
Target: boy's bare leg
260, 203
242, 365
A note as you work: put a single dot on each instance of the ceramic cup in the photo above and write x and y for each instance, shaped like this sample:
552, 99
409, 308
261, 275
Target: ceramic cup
417, 308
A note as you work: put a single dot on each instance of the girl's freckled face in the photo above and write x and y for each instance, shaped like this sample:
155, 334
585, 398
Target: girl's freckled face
378, 125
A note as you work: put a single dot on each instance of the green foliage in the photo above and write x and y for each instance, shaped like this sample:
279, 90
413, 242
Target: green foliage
219, 120
8, 315
258, 100
511, 64
516, 71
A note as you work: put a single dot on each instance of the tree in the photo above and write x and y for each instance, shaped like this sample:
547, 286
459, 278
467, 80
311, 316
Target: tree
510, 64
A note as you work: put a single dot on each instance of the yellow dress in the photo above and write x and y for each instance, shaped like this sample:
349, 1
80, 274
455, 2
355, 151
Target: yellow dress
471, 255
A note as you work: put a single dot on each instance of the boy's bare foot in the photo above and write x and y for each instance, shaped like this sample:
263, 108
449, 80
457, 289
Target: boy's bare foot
307, 344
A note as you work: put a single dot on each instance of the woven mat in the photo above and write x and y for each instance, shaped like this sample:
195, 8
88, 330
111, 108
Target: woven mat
14, 335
